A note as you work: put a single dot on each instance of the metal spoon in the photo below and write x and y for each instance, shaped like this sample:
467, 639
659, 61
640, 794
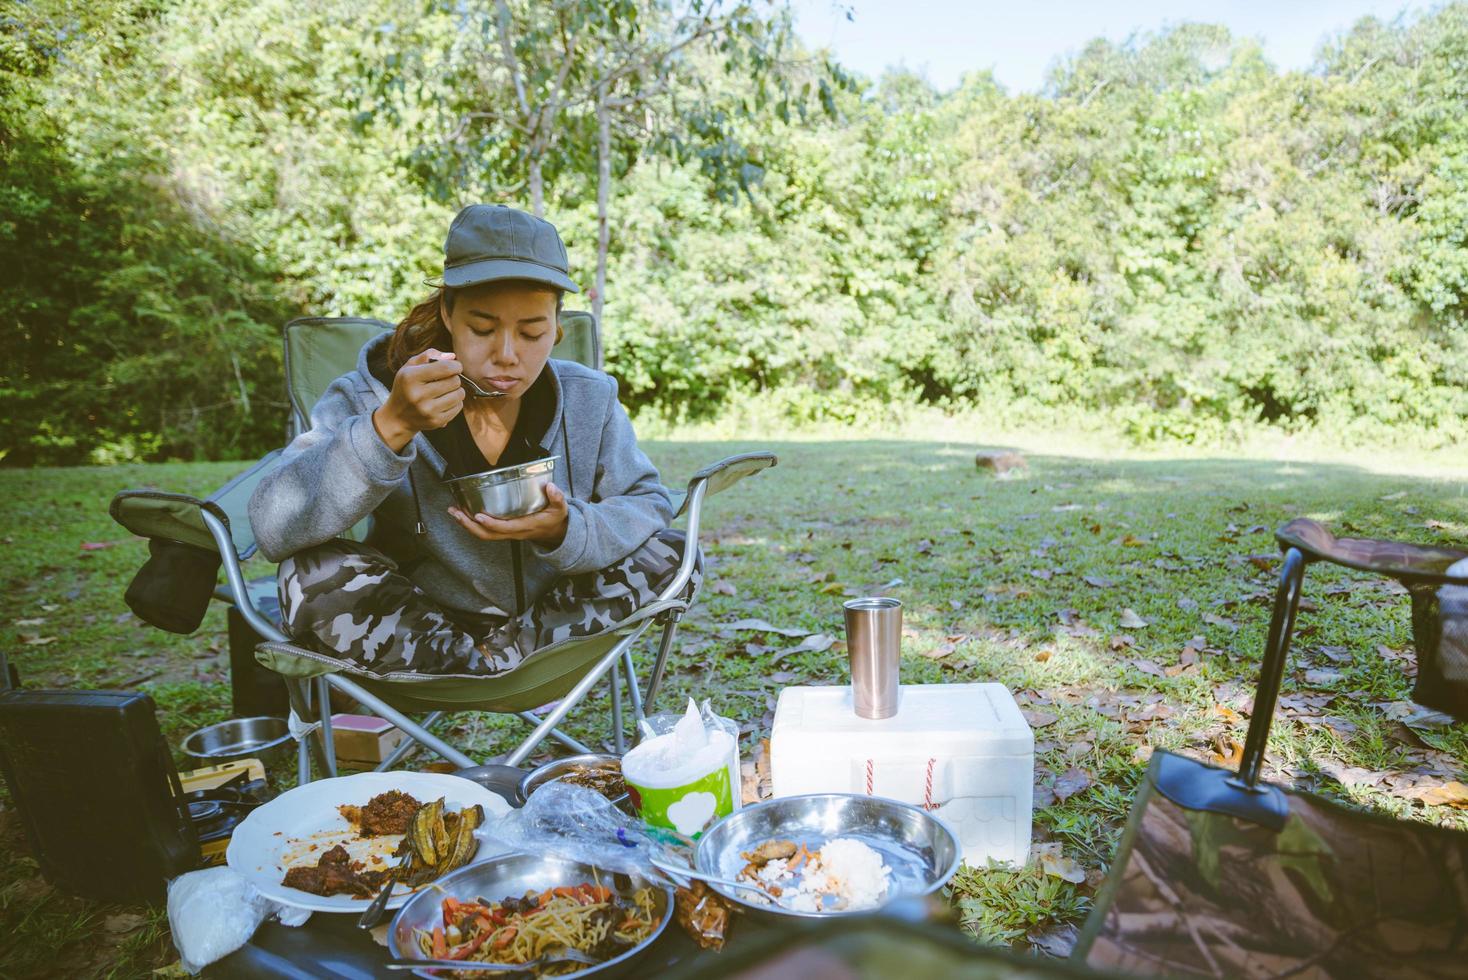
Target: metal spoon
373, 913
473, 388
682, 872
563, 955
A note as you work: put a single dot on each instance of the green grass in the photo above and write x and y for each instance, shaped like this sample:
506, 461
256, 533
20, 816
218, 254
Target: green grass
848, 516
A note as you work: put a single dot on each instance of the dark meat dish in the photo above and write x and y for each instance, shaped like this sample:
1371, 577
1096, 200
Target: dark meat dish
335, 874
385, 813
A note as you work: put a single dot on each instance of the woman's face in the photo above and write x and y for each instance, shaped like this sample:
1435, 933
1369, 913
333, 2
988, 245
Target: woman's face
503, 334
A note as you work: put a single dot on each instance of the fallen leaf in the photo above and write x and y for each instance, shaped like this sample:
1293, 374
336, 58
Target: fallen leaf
1039, 719
1071, 782
1044, 574
1043, 656
1056, 863
38, 621
1227, 752
123, 922
1147, 667
1098, 581
1122, 641
1186, 604
760, 626
1215, 620
725, 588
815, 643
98, 545
1142, 753
1077, 749
1131, 621
1059, 942
1228, 714
1323, 676
1131, 541
1454, 794
32, 640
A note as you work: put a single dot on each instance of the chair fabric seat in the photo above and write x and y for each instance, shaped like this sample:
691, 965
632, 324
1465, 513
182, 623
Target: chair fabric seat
1409, 563
543, 677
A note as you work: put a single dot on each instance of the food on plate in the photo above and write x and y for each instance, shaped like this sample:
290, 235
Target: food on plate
440, 841
604, 779
587, 917
843, 876
386, 813
335, 873
702, 913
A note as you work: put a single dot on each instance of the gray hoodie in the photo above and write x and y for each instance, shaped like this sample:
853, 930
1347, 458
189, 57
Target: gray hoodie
340, 471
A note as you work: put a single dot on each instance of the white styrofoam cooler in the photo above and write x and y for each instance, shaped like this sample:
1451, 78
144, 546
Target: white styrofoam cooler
961, 750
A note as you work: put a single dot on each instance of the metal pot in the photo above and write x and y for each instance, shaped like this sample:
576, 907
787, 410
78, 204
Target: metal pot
266, 739
510, 491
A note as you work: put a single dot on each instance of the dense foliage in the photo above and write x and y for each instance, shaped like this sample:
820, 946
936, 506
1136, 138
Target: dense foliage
1173, 235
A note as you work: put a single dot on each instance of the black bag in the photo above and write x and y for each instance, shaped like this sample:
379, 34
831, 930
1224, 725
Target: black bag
173, 588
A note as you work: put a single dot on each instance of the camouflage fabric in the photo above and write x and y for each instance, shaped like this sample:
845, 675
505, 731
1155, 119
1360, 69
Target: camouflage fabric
349, 600
1336, 893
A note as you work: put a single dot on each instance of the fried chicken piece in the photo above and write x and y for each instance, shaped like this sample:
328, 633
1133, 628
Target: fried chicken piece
385, 813
334, 874
769, 851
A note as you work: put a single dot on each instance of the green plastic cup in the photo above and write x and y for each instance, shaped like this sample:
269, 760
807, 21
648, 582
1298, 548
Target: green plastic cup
688, 809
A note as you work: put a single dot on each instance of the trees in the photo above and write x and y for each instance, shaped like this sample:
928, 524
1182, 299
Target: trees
1174, 236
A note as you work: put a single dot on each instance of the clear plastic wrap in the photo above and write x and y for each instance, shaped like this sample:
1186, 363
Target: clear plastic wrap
580, 824
213, 912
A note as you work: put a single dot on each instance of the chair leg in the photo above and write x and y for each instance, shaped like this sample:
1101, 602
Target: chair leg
634, 690
328, 742
1276, 655
407, 745
414, 730
308, 749
619, 740
571, 699
555, 733
665, 646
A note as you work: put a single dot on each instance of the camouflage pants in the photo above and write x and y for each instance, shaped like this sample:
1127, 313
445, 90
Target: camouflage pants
349, 600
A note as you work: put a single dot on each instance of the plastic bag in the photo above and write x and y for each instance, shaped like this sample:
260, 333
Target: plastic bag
580, 824
214, 912
684, 774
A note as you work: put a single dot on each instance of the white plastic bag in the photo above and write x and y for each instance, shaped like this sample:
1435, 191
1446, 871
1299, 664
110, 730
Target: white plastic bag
214, 912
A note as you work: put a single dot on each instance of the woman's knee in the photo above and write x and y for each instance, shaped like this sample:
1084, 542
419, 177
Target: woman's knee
316, 581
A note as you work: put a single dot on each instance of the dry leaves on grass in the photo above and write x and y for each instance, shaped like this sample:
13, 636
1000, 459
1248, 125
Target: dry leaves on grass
1227, 752
1071, 782
760, 626
1054, 862
1131, 621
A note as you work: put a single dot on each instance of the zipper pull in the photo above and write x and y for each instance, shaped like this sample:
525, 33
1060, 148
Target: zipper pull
420, 529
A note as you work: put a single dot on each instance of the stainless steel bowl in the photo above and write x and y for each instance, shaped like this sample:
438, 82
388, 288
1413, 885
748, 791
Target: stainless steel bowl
510, 491
538, 777
266, 739
514, 875
921, 850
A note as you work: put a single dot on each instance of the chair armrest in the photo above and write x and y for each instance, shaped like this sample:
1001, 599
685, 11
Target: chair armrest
725, 473
179, 516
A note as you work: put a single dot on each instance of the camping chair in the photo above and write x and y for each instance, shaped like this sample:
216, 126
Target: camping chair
317, 351
1221, 875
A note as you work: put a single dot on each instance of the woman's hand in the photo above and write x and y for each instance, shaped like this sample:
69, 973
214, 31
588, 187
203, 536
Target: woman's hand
545, 527
426, 394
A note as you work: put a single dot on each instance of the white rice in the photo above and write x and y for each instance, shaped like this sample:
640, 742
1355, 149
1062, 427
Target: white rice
846, 871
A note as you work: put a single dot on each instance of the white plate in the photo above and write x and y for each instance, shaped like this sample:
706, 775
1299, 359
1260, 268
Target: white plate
298, 826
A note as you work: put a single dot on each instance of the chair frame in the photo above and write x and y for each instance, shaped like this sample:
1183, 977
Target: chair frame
312, 696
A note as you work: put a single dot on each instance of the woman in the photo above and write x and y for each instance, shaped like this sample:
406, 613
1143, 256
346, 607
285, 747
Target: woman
436, 590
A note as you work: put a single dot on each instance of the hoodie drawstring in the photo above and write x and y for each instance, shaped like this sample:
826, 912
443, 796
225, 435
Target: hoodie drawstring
420, 528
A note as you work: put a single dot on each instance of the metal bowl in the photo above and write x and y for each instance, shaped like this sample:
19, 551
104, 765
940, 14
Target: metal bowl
921, 850
510, 491
559, 767
514, 875
266, 739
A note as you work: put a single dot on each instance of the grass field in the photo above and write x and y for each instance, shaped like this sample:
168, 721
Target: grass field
1039, 581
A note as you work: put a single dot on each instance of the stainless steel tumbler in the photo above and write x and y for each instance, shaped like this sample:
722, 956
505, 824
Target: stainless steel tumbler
874, 640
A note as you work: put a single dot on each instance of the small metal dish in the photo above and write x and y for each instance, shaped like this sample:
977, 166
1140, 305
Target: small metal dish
510, 491
921, 850
266, 739
559, 767
512, 875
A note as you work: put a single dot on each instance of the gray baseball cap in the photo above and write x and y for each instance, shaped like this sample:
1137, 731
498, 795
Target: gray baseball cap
489, 242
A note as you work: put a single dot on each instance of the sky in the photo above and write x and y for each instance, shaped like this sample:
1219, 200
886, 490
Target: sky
1020, 39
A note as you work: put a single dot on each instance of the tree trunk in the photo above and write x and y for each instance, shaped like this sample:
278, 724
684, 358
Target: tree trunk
537, 188
603, 195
